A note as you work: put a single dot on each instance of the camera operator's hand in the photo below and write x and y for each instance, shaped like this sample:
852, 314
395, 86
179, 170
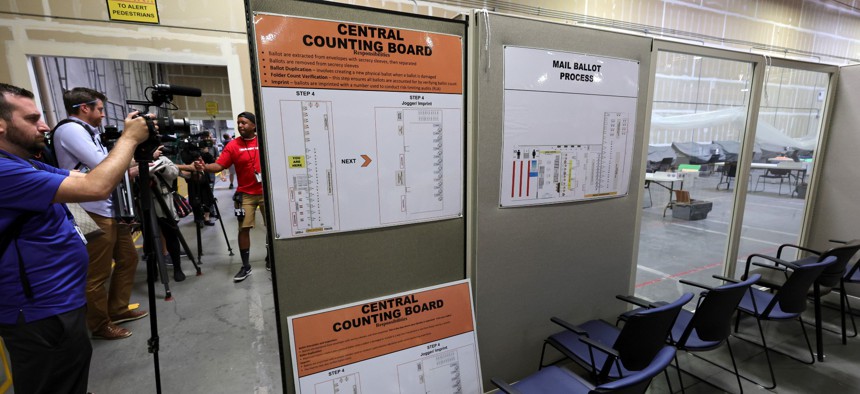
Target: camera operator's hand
101, 180
133, 172
135, 127
157, 152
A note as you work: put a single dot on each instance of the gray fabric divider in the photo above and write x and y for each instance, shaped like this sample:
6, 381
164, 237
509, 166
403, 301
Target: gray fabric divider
531, 263
324, 271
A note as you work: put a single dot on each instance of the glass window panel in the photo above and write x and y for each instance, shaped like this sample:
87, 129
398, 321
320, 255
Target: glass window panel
790, 119
698, 123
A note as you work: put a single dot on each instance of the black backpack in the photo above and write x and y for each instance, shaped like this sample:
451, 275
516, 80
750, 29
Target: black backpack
49, 154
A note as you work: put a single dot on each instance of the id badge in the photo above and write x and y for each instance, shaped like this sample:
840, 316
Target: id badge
258, 176
81, 234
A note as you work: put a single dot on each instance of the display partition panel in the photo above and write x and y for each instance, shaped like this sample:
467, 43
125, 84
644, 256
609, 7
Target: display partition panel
534, 262
335, 126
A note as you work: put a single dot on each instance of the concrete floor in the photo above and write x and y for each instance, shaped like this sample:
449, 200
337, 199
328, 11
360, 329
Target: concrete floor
218, 336
672, 249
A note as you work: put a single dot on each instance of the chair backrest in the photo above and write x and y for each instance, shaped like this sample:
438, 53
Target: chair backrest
713, 318
791, 297
850, 272
645, 333
637, 382
665, 164
843, 253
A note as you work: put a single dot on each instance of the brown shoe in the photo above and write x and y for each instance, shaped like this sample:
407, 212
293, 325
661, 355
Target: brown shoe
111, 331
128, 316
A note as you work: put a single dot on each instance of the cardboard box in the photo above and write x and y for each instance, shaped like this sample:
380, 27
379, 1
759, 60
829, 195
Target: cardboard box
693, 210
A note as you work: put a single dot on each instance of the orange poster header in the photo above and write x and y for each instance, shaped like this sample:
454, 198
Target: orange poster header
331, 339
318, 54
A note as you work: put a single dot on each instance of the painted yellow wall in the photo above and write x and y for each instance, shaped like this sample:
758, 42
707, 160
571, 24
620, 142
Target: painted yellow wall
190, 32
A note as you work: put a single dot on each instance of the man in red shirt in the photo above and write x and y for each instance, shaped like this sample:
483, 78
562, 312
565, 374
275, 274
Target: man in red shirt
243, 154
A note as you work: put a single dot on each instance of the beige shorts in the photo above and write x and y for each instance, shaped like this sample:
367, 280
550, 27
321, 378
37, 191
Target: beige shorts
250, 203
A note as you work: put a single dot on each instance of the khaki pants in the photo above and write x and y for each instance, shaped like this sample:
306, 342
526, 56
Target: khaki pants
109, 299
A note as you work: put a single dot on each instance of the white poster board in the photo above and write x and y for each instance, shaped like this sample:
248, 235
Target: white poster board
569, 126
363, 124
422, 341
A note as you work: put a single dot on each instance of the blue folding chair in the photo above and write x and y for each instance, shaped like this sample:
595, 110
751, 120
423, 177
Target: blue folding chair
553, 379
609, 352
784, 303
711, 324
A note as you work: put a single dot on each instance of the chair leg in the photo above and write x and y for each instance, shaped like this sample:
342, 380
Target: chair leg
767, 356
808, 345
842, 313
757, 182
650, 199
669, 382
850, 313
735, 366
542, 353
680, 379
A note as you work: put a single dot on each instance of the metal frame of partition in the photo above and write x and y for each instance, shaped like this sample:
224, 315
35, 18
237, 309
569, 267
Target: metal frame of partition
759, 63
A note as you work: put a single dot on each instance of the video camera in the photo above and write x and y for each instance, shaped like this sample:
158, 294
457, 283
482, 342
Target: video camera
190, 147
169, 128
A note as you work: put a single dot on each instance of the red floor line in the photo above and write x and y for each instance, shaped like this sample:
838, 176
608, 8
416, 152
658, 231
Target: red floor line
767, 251
679, 274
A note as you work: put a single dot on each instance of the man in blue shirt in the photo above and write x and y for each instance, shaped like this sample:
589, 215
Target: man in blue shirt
43, 260
77, 144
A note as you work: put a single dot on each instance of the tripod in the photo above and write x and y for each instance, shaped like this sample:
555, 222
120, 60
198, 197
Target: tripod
195, 191
152, 252
165, 208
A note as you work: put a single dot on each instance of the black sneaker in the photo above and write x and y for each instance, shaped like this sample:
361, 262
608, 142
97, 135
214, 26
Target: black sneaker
268, 264
243, 273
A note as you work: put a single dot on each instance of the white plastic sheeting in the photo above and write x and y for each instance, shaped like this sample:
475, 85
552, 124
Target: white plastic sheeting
766, 133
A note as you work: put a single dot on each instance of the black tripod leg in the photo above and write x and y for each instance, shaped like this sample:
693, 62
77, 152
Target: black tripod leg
161, 265
223, 230
188, 253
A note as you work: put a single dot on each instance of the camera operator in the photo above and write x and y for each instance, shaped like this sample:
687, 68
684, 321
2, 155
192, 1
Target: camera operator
78, 147
200, 184
43, 260
164, 172
243, 154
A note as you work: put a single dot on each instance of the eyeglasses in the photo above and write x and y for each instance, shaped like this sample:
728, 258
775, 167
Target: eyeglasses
91, 103
86, 103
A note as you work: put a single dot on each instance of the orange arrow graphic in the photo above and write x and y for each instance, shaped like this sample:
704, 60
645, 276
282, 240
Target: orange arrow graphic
367, 160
